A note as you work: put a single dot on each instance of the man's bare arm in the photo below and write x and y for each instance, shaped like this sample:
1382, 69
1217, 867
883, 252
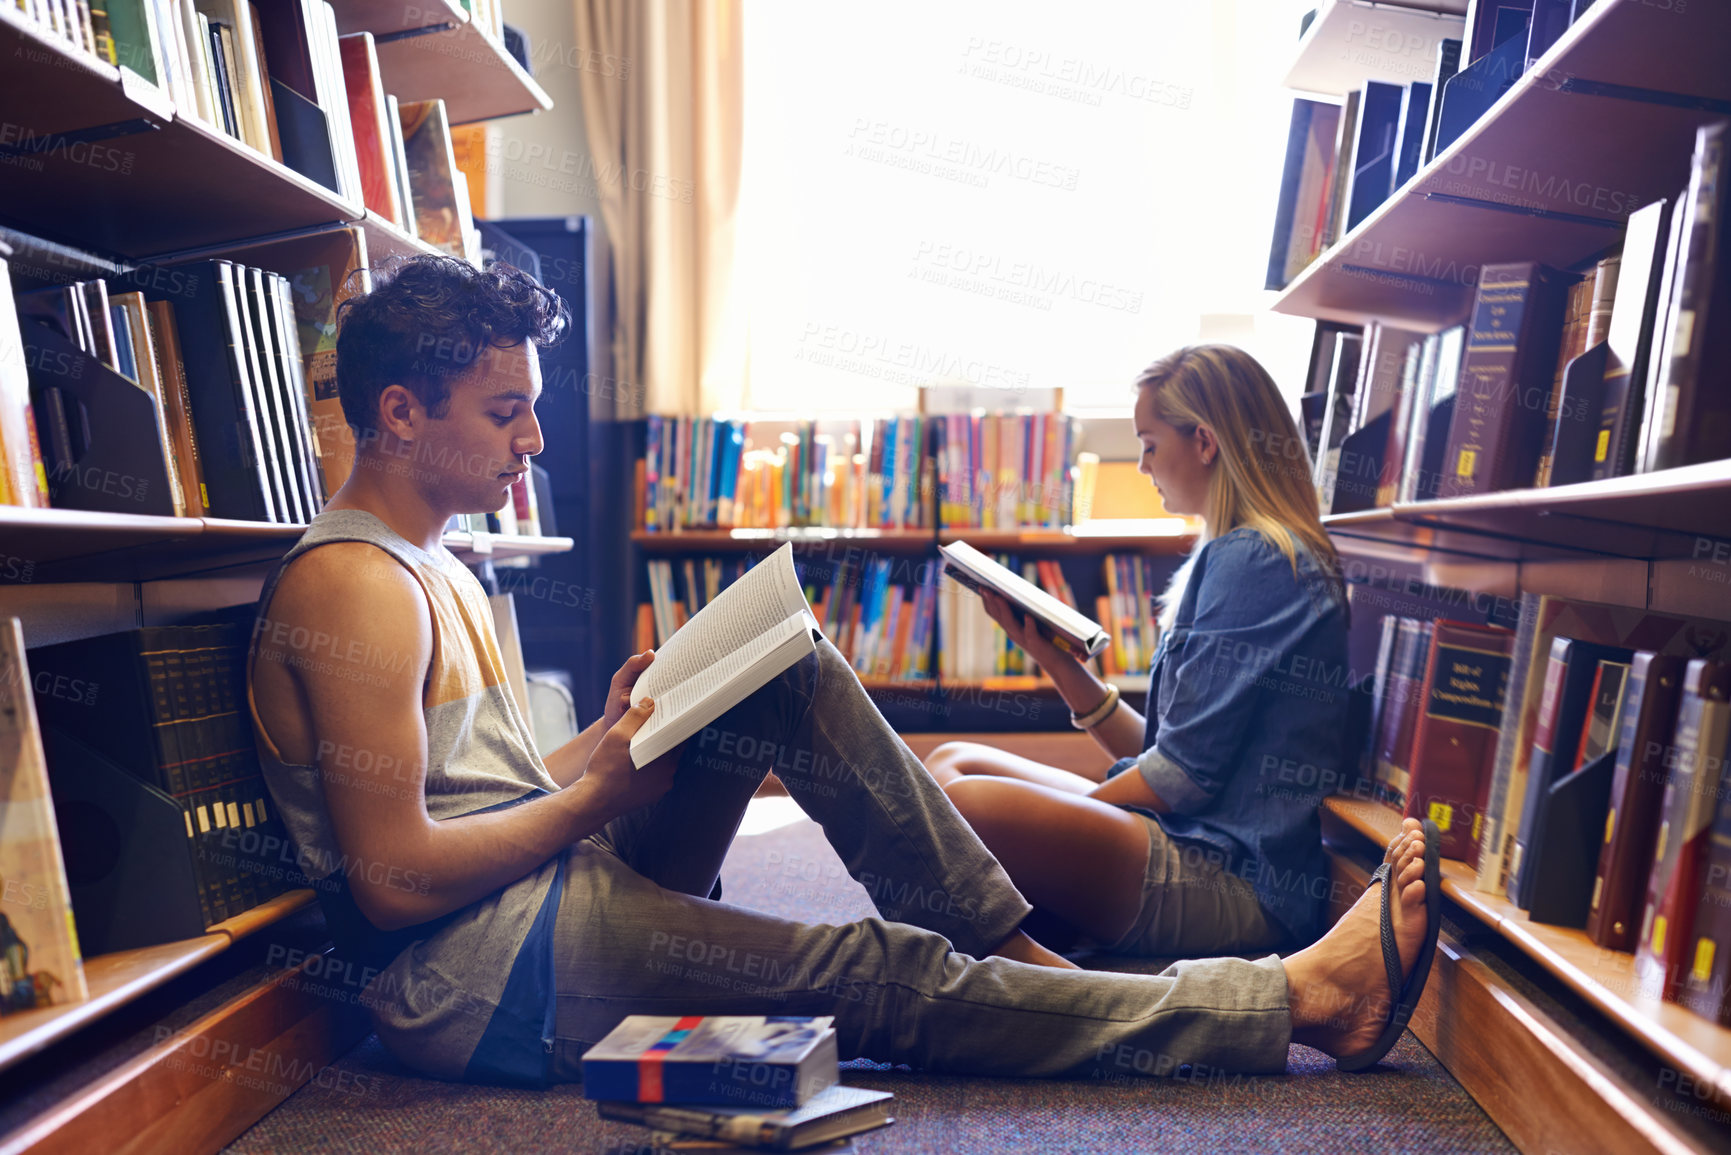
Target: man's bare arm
566, 764
404, 867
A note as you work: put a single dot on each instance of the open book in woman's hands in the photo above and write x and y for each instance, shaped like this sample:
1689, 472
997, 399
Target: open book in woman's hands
1067, 628
753, 630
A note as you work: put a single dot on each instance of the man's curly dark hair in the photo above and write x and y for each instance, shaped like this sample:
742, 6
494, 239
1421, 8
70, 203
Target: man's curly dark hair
426, 322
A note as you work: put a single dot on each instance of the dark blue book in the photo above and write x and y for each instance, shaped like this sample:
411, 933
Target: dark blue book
125, 361
1447, 64
1472, 91
1409, 142
1374, 159
1551, 18
1563, 708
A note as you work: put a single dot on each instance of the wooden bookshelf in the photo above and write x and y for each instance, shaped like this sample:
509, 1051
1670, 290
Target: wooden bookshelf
389, 17
1174, 537
1351, 41
1589, 134
75, 545
1604, 978
463, 65
745, 539
1666, 514
118, 978
106, 163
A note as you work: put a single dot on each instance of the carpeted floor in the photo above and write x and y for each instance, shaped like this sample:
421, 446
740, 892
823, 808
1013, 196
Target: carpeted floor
1411, 1104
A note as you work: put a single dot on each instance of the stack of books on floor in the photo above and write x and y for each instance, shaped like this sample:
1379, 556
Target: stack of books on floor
1577, 763
1556, 378
721, 1082
1344, 160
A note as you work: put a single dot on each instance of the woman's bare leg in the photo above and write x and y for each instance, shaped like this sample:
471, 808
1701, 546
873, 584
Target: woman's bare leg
953, 760
1071, 856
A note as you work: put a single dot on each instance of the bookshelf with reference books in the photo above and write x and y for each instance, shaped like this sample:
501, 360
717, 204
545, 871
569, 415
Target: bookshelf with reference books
189, 189
1520, 424
867, 503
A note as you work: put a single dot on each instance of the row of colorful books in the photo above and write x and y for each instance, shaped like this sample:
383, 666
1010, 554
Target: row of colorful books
904, 472
279, 79
1576, 763
1344, 160
228, 368
880, 611
709, 472
1556, 379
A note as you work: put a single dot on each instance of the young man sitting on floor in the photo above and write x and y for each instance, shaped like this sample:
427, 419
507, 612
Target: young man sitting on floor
505, 912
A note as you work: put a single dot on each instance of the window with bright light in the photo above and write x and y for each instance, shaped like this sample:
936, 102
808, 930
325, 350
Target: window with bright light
1013, 195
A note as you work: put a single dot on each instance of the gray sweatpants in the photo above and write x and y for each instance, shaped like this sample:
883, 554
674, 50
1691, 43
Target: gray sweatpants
636, 936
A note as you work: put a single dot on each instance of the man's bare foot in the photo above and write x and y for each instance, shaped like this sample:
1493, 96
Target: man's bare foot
1339, 986
1024, 949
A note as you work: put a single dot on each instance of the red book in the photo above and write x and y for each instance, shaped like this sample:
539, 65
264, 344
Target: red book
1458, 711
367, 114
1637, 788
1674, 887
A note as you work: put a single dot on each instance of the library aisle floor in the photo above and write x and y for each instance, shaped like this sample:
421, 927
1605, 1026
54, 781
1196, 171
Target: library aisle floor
1412, 1104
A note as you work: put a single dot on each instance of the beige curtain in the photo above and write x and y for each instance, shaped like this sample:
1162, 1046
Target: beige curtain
663, 110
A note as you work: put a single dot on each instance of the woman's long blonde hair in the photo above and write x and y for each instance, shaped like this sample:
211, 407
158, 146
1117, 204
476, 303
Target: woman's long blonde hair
1262, 474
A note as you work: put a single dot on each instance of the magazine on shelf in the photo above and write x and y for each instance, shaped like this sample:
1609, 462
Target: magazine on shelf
1069, 628
753, 630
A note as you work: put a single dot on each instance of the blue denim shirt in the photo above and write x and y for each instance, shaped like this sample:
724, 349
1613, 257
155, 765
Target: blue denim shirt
1246, 720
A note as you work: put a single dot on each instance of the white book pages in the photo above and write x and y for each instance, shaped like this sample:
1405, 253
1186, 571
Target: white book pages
758, 620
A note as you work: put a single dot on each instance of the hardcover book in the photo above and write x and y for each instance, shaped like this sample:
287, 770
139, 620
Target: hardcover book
751, 1060
1629, 339
39, 961
1499, 416
1692, 420
1630, 628
1686, 813
372, 131
1466, 680
1649, 712
1563, 707
1706, 983
833, 1112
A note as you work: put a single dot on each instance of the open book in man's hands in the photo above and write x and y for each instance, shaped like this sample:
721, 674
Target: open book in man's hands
753, 630
1067, 628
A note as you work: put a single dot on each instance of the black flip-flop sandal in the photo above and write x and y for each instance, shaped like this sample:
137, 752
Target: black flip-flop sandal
1408, 992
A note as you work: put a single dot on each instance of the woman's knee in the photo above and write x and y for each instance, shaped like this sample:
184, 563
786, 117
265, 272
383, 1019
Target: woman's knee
950, 760
986, 802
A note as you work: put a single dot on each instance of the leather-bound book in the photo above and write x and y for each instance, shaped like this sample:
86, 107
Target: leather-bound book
1499, 418
1460, 706
1632, 824
1686, 813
